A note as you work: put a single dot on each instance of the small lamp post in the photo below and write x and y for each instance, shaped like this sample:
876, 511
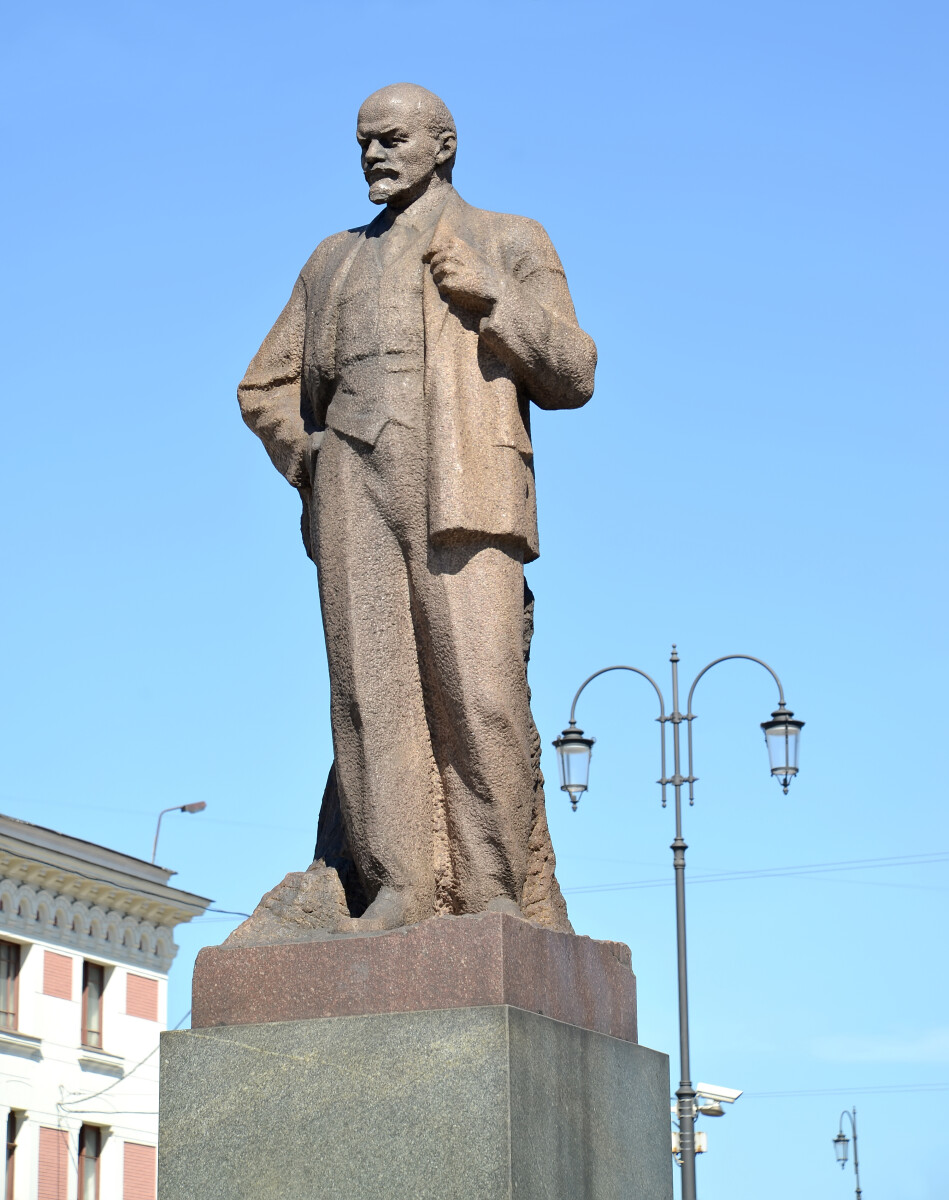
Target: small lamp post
574, 750
196, 807
841, 1142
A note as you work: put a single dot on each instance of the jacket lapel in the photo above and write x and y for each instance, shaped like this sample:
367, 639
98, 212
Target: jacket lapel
329, 313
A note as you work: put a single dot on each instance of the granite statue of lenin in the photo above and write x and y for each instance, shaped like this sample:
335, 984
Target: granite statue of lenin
393, 392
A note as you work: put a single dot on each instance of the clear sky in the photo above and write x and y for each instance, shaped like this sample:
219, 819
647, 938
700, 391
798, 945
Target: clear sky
750, 202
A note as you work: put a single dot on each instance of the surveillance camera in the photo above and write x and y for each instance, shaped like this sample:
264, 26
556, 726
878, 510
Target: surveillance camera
711, 1092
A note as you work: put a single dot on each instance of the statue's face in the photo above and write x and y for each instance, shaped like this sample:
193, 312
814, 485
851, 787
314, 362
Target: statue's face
399, 150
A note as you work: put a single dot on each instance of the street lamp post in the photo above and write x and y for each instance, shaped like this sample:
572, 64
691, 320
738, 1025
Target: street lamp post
840, 1146
196, 807
574, 749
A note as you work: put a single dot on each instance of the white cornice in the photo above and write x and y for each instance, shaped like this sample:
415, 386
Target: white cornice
61, 889
89, 860
162, 905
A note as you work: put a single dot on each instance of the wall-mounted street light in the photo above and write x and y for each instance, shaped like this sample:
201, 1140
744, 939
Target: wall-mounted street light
841, 1142
574, 751
196, 807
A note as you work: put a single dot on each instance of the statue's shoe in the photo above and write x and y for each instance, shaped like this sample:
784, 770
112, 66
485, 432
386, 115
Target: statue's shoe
391, 909
504, 904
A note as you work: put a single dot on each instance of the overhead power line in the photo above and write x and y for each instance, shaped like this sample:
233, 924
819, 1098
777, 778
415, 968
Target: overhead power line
880, 1089
68, 1105
854, 864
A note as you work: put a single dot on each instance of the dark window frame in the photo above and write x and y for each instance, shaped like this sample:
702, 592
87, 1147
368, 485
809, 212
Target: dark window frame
87, 1134
13, 1129
12, 952
93, 1038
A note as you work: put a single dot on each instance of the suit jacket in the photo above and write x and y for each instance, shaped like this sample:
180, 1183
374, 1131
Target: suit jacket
480, 374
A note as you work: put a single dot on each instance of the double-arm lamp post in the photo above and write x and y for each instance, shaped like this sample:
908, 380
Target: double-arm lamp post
782, 735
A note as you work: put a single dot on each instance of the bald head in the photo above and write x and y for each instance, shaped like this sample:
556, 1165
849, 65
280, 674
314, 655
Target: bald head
408, 142
413, 103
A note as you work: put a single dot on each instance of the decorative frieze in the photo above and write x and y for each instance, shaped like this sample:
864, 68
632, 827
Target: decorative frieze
117, 933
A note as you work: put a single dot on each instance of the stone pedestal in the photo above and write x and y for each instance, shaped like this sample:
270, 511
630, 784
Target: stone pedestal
427, 1094
447, 962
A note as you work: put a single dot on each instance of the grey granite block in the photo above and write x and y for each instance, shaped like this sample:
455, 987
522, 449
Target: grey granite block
490, 1103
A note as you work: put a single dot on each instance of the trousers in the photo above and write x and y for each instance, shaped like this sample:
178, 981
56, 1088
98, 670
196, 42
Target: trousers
428, 686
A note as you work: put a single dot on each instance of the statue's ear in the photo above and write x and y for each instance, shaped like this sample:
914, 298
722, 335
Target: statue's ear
446, 151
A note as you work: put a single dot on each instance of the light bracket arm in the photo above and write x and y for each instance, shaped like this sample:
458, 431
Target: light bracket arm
662, 718
690, 715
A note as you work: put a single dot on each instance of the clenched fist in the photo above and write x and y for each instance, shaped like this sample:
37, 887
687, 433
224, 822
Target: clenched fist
463, 275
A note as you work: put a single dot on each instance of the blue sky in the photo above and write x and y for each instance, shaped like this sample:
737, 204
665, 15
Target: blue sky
750, 204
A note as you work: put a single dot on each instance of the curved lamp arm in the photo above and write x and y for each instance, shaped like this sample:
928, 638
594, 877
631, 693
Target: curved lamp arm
195, 807
852, 1118
690, 715
662, 713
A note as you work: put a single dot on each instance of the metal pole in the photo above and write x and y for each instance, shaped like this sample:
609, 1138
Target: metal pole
856, 1159
174, 808
685, 1093
158, 831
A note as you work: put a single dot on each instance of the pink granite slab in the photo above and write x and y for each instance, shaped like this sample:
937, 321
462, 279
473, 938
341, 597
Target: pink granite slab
446, 962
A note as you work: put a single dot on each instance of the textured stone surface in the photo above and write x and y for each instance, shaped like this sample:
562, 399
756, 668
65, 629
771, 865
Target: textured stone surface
394, 392
473, 1104
445, 962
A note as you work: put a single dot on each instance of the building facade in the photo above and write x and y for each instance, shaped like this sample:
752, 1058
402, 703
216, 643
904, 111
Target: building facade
86, 942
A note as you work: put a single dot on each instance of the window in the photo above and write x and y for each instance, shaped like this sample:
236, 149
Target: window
138, 1182
90, 1146
93, 985
9, 981
12, 1124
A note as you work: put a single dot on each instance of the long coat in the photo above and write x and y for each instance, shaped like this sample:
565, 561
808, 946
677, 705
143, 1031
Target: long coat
480, 374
